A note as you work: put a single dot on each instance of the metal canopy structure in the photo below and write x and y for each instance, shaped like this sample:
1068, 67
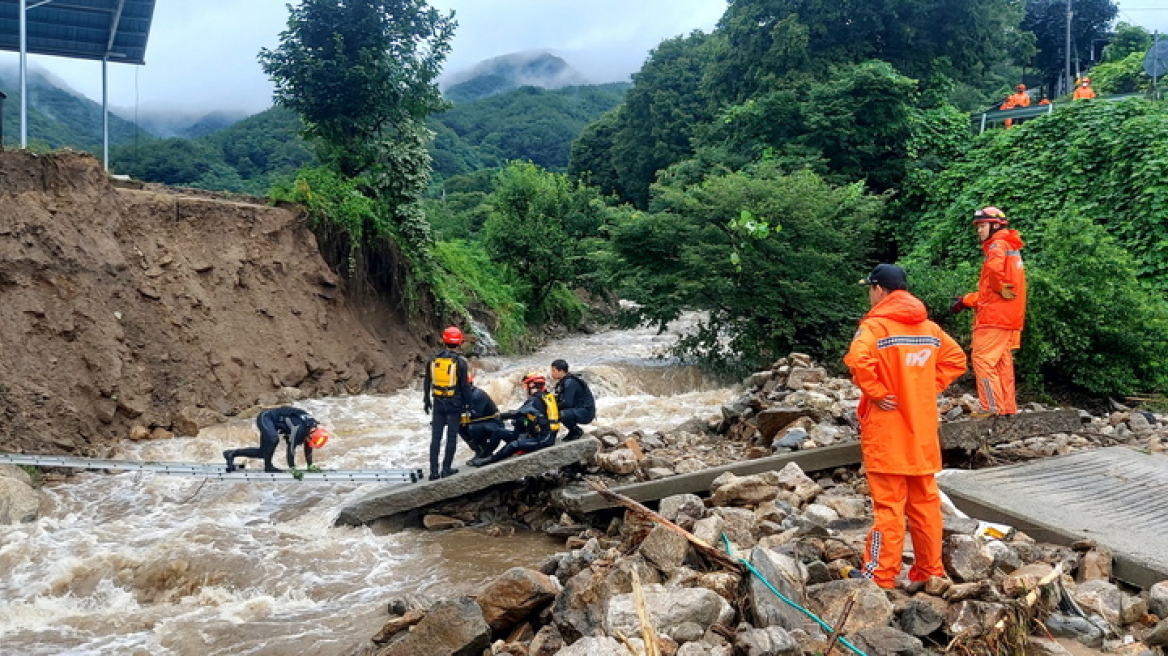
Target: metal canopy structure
101, 30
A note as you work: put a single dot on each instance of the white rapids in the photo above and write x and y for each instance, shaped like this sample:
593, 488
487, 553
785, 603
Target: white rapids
144, 564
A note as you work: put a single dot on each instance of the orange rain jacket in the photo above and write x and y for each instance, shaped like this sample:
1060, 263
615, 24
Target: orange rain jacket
1020, 99
1002, 268
898, 351
1083, 93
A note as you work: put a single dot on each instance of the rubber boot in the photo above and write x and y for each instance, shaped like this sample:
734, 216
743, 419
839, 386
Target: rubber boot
449, 472
229, 456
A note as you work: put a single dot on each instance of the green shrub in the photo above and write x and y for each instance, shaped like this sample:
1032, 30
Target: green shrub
468, 280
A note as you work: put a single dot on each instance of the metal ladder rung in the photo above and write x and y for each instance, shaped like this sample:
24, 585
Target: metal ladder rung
206, 470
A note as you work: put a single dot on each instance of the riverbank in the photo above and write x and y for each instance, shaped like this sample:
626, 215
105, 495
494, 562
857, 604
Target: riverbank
801, 533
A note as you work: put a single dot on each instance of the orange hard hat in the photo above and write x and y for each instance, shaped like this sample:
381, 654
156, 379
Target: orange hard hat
990, 214
452, 336
470, 378
318, 437
535, 378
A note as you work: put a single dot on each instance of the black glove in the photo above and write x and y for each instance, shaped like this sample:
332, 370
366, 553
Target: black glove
958, 306
426, 406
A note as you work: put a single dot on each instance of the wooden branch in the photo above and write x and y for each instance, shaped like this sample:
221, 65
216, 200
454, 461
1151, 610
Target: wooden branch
648, 632
839, 625
641, 511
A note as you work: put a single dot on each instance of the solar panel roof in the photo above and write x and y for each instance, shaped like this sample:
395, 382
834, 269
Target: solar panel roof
116, 30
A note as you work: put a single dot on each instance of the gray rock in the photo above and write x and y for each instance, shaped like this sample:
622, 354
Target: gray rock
390, 501
547, 642
451, 628
1079, 629
787, 575
682, 509
954, 525
792, 439
693, 649
513, 596
920, 618
687, 632
1105, 598
665, 548
887, 641
668, 609
19, 502
738, 523
771, 641
619, 461
972, 618
605, 646
966, 558
1158, 599
870, 606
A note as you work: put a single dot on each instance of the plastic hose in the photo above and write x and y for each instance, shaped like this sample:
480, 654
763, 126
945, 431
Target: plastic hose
826, 627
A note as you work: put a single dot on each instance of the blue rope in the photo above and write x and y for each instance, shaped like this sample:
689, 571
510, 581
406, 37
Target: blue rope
826, 627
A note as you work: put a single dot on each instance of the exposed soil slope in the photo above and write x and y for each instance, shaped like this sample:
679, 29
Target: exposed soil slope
144, 311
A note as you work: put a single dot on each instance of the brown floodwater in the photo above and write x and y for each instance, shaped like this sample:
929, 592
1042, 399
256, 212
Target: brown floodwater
150, 564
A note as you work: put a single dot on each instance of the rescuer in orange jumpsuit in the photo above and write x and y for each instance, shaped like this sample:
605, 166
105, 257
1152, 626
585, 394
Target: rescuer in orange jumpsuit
1019, 99
901, 361
999, 311
1084, 90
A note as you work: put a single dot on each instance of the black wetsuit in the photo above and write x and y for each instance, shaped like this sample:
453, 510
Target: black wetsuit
532, 429
293, 424
486, 428
448, 406
577, 405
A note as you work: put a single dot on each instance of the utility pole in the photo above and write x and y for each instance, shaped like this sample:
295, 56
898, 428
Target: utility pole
1069, 79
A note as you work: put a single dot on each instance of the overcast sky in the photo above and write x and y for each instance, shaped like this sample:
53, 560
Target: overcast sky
202, 53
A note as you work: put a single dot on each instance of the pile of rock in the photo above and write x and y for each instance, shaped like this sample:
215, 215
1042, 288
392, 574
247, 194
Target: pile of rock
801, 535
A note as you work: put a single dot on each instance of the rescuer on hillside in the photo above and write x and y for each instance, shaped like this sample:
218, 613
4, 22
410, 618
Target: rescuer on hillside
296, 426
1084, 90
575, 400
1019, 99
901, 361
999, 306
447, 393
485, 429
536, 422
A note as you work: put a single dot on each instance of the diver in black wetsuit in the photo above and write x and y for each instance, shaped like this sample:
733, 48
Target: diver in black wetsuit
296, 426
536, 422
486, 428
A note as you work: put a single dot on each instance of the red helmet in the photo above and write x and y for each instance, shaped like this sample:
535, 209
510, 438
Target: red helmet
318, 437
535, 379
452, 336
990, 214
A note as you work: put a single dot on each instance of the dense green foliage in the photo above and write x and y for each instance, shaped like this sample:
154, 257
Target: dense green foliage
248, 157
1097, 239
59, 118
543, 228
773, 258
476, 286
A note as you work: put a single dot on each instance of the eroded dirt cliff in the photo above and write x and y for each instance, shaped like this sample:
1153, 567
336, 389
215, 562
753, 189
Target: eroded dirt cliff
136, 311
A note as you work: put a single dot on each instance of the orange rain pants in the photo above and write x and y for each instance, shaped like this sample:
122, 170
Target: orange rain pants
895, 496
993, 367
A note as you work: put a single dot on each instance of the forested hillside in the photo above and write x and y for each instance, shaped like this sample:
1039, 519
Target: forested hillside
58, 118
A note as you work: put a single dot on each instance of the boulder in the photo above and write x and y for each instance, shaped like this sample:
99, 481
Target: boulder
513, 596
593, 647
451, 628
887, 641
665, 548
668, 609
771, 641
787, 575
1158, 599
19, 502
966, 559
870, 605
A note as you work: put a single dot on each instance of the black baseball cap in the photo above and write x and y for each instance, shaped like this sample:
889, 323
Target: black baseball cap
888, 276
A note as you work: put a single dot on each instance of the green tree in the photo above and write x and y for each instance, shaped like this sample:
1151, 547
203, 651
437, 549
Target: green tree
772, 258
1047, 19
360, 73
1127, 39
542, 227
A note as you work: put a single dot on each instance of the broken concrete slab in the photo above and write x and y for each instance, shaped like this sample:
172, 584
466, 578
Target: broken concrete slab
391, 501
1113, 496
970, 435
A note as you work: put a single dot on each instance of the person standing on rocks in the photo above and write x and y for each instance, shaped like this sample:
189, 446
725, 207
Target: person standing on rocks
576, 403
446, 396
901, 361
296, 426
485, 429
999, 306
536, 422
